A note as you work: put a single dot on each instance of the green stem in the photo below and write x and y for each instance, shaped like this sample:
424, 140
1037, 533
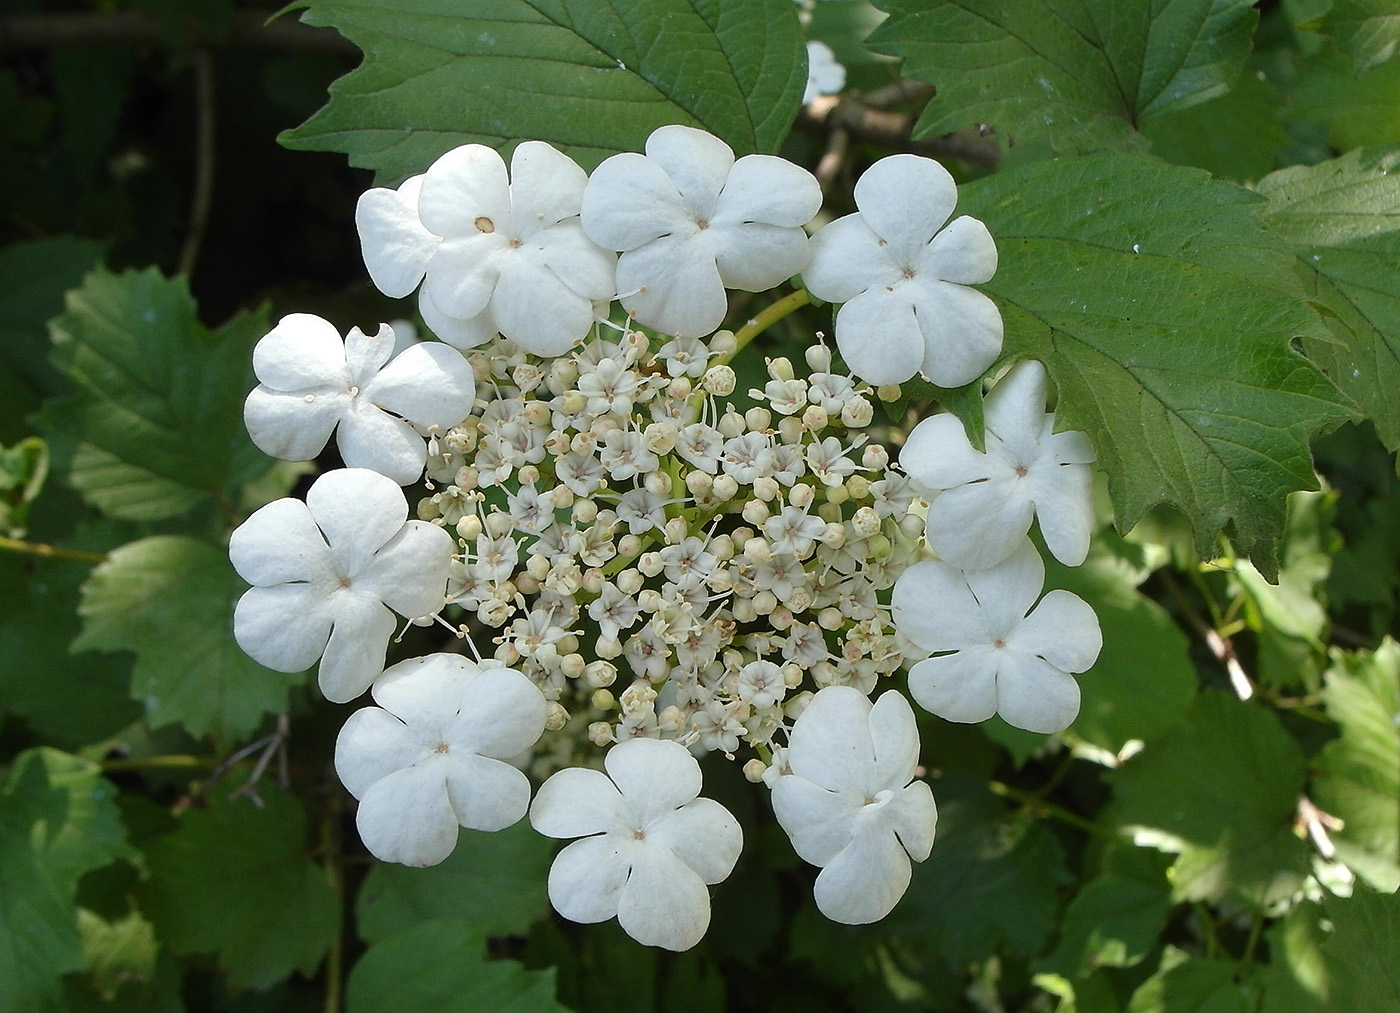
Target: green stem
158, 763
1037, 807
766, 319
330, 847
1253, 941
50, 551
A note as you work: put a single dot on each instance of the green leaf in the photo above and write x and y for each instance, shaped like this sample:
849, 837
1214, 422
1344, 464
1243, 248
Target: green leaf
1367, 29
23, 470
1209, 137
1196, 984
58, 820
170, 600
1342, 219
495, 882
1295, 978
991, 881
1358, 774
1357, 111
438, 965
1363, 955
158, 404
589, 77
1164, 312
1220, 791
1289, 605
234, 880
33, 278
1082, 76
1116, 918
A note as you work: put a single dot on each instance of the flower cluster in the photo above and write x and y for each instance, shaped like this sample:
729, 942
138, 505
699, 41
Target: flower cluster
649, 569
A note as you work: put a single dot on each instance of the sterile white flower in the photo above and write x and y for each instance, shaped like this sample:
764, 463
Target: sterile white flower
902, 275
690, 221
325, 574
824, 75
850, 802
981, 503
431, 756
1009, 656
311, 383
494, 252
653, 845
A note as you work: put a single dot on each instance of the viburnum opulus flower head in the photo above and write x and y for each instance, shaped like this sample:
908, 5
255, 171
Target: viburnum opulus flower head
310, 384
981, 503
995, 651
494, 251
649, 843
327, 573
431, 757
690, 221
850, 802
902, 271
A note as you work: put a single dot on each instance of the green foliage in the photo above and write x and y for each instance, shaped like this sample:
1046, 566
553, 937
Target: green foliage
1163, 313
1116, 918
1367, 29
1081, 77
156, 411
170, 600
436, 76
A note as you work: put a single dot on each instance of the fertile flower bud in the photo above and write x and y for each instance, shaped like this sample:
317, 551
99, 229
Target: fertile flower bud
719, 381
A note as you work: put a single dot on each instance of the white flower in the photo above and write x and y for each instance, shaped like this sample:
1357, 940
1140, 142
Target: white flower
982, 503
848, 803
325, 574
824, 75
493, 252
433, 757
1008, 656
653, 845
690, 221
311, 383
902, 275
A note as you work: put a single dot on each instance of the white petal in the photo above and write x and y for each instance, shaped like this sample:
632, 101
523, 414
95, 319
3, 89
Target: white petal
576, 801
395, 244
663, 903
373, 439
1035, 695
288, 427
914, 817
1063, 630
865, 881
358, 511
425, 692
756, 257
846, 259
486, 794
430, 384
830, 743
546, 186
280, 542
934, 607
587, 877
957, 687
905, 199
963, 252
366, 354
704, 835
977, 526
501, 714
463, 186
302, 351
817, 821
371, 746
1007, 591
1071, 447
962, 331
584, 266
1015, 409
536, 310
768, 189
698, 163
879, 337
1064, 506
938, 455
409, 574
895, 736
406, 817
459, 333
630, 201
464, 272
354, 655
283, 627
656, 775
673, 285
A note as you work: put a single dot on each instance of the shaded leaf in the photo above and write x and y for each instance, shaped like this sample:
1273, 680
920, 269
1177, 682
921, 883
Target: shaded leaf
1367, 29
1197, 984
1209, 137
1357, 111
1363, 955
1116, 917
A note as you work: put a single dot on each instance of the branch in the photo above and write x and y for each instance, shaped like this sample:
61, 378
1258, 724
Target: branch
869, 118
247, 29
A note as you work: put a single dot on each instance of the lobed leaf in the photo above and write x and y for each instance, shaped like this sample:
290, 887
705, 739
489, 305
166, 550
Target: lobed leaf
1367, 29
589, 77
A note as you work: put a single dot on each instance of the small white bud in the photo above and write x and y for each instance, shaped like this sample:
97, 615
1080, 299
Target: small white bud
676, 530
800, 496
743, 610
830, 619
671, 719
650, 563
628, 581
753, 770
725, 488
755, 512
722, 343
837, 494
572, 665
468, 527
780, 618
888, 393
911, 525
428, 508
765, 602
607, 647
757, 550
658, 483
815, 418
757, 419
766, 488
602, 700
858, 486
679, 388
556, 717
875, 457
584, 511
599, 674
857, 413
660, 437
527, 584
731, 424
538, 567
866, 522
600, 733
593, 580
818, 358
719, 381
780, 369
699, 483
628, 546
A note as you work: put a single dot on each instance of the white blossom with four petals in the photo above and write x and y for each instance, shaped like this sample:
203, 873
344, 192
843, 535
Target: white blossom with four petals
649, 843
902, 271
311, 383
431, 757
690, 221
327, 573
981, 503
850, 803
995, 650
